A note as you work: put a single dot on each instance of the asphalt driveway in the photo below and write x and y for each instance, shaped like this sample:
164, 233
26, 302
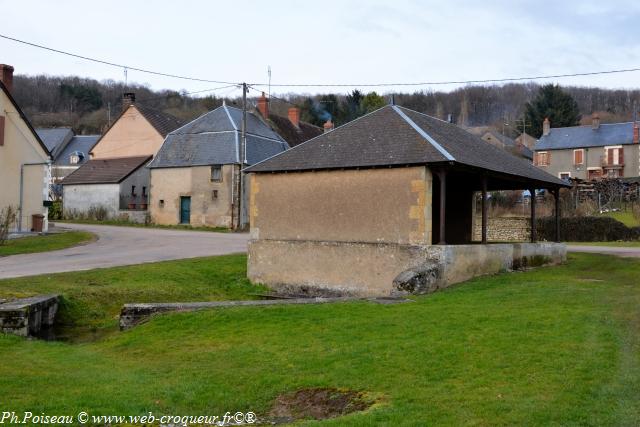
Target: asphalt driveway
124, 246
607, 250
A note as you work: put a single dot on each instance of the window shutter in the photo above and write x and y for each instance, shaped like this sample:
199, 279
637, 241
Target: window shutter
535, 159
577, 158
1, 131
610, 157
621, 156
548, 158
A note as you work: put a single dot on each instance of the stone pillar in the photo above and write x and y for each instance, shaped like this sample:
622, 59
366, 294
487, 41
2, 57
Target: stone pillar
534, 231
556, 194
484, 210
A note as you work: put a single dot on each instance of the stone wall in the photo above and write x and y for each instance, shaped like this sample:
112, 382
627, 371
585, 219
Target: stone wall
509, 229
80, 198
375, 269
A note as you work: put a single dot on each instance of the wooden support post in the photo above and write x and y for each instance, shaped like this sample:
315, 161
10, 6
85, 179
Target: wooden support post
534, 231
484, 210
556, 194
442, 175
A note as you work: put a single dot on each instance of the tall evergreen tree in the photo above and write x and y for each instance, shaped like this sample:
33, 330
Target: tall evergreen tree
552, 102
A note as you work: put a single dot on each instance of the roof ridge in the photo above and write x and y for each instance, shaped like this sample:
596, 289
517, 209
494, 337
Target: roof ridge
423, 133
316, 137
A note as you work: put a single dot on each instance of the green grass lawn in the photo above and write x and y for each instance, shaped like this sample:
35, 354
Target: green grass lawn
45, 243
135, 224
625, 217
551, 346
625, 244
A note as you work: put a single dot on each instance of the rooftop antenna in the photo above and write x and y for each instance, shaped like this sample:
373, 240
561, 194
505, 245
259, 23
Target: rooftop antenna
269, 73
125, 79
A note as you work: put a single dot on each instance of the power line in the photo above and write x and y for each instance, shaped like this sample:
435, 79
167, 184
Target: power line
113, 64
391, 84
502, 80
185, 93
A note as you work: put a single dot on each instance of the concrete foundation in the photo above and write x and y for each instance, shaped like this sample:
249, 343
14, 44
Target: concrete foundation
27, 316
381, 269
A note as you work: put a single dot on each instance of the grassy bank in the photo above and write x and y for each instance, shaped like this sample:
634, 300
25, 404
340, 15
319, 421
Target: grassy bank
552, 346
45, 243
135, 224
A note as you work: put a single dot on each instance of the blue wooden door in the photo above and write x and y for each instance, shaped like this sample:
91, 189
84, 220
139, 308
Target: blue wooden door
185, 210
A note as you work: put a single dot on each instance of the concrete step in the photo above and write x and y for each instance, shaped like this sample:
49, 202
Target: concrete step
26, 316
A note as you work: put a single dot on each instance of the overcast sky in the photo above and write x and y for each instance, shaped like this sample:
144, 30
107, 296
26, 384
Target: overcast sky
326, 41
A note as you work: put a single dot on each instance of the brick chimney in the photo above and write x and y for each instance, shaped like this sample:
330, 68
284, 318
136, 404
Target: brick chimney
128, 99
294, 116
263, 106
6, 76
328, 126
546, 126
636, 133
595, 121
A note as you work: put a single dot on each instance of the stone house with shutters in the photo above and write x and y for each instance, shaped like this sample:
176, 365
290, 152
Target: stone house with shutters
590, 152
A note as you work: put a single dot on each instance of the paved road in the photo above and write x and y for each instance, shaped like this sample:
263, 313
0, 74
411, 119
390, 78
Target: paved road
608, 250
124, 246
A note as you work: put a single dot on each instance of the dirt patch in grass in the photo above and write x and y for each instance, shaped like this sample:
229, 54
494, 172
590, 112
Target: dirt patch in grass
318, 404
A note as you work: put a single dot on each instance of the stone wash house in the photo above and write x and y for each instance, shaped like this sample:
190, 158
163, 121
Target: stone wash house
590, 152
108, 184
195, 175
137, 133
384, 205
69, 151
25, 162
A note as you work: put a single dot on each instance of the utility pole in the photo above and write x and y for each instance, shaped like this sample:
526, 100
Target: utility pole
243, 155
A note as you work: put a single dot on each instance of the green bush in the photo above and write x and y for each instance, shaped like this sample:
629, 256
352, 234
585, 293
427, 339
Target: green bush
586, 229
55, 210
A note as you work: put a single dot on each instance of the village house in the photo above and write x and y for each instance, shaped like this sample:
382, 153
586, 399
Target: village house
195, 175
590, 152
68, 150
384, 205
526, 140
110, 184
502, 141
25, 162
137, 133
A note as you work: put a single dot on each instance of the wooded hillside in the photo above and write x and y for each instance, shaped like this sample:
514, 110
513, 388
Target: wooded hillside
87, 105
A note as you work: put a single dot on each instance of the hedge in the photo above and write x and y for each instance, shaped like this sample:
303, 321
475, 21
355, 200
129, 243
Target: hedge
586, 229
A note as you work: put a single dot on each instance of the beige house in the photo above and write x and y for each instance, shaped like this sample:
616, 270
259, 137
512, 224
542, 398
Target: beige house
138, 131
195, 175
384, 205
25, 162
590, 152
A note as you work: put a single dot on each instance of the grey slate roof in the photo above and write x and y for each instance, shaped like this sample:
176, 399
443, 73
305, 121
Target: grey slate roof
55, 138
396, 136
214, 138
161, 121
80, 144
105, 171
585, 137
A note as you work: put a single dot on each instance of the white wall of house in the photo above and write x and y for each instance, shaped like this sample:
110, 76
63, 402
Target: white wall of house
82, 197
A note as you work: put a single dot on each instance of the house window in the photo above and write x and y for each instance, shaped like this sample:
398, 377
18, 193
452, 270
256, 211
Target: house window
144, 191
214, 194
543, 158
613, 156
74, 159
216, 173
565, 175
133, 191
578, 157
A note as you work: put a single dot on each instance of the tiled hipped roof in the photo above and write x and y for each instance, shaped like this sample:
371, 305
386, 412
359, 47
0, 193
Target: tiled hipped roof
396, 136
105, 171
214, 138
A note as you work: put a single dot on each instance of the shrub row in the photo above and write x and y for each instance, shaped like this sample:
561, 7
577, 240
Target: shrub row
586, 229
